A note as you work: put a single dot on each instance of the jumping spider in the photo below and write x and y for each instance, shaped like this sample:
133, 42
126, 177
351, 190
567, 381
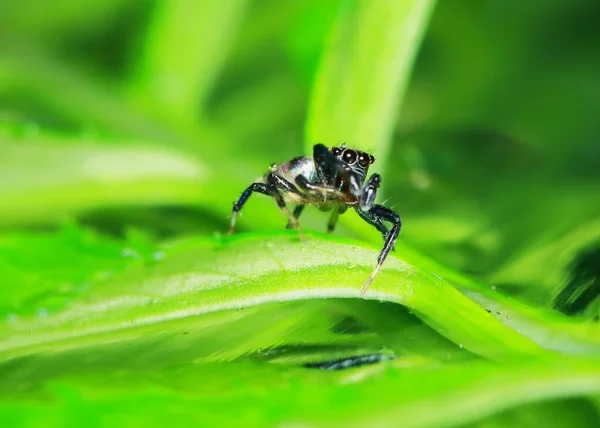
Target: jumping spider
332, 179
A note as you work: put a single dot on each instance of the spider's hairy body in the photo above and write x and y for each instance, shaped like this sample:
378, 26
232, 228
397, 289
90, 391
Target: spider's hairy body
300, 166
333, 179
305, 166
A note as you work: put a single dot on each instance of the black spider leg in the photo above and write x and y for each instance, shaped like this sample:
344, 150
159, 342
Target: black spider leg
275, 183
270, 189
337, 210
317, 189
239, 204
297, 212
335, 213
367, 198
369, 192
373, 220
380, 214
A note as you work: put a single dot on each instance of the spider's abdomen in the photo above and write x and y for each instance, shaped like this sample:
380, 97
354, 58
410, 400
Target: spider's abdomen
298, 166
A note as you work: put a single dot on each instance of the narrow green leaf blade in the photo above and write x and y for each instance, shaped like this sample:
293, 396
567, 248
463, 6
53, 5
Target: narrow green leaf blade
364, 72
186, 46
46, 179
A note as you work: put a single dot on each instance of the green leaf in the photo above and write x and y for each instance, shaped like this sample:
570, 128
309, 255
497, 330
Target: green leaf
187, 44
43, 272
66, 95
244, 298
109, 331
199, 327
17, 19
364, 73
376, 396
206, 276
547, 262
46, 179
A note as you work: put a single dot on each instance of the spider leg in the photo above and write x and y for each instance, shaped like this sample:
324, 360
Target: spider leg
373, 220
281, 183
275, 183
369, 192
297, 212
239, 204
368, 198
303, 183
381, 214
335, 213
271, 188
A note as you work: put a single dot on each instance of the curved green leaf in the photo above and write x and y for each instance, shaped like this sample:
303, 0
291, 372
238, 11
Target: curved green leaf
244, 298
207, 276
43, 272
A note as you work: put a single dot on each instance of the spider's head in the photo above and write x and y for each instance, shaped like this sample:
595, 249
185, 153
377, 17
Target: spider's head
358, 161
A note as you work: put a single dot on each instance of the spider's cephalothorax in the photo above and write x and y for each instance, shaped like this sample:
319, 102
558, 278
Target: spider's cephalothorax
332, 179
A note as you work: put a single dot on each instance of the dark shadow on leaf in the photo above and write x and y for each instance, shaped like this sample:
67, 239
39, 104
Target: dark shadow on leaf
583, 288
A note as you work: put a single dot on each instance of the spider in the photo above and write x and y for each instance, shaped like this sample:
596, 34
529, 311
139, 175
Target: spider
332, 179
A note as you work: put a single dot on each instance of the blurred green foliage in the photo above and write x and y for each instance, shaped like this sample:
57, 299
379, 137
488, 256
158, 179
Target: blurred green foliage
127, 128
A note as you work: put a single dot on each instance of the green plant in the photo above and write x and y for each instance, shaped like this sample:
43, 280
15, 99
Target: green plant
122, 303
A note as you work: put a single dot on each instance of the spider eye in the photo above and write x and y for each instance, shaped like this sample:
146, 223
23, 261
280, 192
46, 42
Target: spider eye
363, 160
350, 156
336, 151
371, 159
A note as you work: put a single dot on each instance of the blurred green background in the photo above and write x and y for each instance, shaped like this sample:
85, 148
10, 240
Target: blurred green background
127, 129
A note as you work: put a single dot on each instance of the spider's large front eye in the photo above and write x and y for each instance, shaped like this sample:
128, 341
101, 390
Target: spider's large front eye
350, 156
363, 160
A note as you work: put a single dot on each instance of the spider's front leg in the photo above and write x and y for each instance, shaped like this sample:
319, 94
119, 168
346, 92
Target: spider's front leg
321, 190
263, 188
376, 216
271, 188
375, 221
368, 193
